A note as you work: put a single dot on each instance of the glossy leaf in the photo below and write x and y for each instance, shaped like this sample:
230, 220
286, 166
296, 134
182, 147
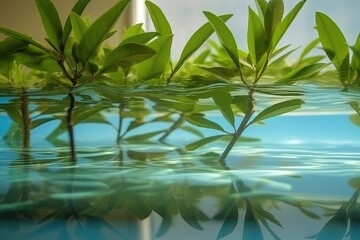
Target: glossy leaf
302, 72
158, 18
256, 38
355, 61
230, 222
78, 26
77, 9
223, 101
140, 38
199, 120
145, 136
223, 72
202, 142
132, 31
309, 47
261, 6
334, 45
273, 16
98, 31
278, 109
51, 21
156, 65
188, 213
126, 55
336, 227
10, 46
225, 36
196, 41
23, 37
284, 25
252, 229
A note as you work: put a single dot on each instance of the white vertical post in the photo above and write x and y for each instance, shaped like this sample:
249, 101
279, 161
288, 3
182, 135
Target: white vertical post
139, 12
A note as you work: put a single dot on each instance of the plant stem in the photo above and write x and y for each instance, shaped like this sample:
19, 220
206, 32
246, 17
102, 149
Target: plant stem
70, 126
26, 120
241, 128
173, 127
119, 137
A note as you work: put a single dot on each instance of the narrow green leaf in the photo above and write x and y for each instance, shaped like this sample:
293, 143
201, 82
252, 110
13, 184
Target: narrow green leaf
284, 25
302, 72
140, 38
156, 65
196, 41
78, 26
188, 213
158, 18
252, 229
126, 55
278, 109
355, 61
78, 9
223, 72
336, 227
355, 119
98, 31
223, 101
10, 46
132, 31
23, 37
145, 136
230, 222
51, 21
195, 145
198, 119
309, 47
256, 38
225, 36
334, 44
273, 16
261, 6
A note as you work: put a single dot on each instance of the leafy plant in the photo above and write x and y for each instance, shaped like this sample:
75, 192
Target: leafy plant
76, 56
336, 48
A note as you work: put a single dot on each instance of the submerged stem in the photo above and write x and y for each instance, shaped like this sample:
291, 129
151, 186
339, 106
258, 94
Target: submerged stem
242, 127
70, 126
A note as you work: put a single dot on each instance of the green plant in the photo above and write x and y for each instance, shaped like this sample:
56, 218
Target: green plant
77, 56
336, 48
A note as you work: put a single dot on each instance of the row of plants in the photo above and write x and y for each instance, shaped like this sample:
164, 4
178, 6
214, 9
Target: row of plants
76, 57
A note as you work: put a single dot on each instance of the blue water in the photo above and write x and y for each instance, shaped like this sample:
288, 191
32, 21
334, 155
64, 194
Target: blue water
297, 172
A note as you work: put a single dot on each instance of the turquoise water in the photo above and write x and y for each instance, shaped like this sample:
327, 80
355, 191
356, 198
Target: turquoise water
125, 172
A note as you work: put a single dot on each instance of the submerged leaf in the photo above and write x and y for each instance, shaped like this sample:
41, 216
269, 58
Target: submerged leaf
195, 145
230, 221
98, 31
51, 21
336, 227
252, 229
223, 101
278, 109
198, 119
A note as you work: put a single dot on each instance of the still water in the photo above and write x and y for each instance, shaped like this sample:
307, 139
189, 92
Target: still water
81, 166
